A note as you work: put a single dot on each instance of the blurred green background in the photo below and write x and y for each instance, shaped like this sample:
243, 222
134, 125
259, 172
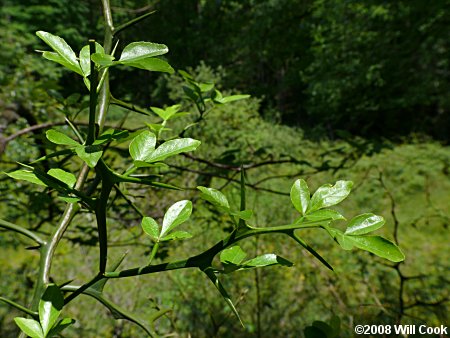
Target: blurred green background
355, 90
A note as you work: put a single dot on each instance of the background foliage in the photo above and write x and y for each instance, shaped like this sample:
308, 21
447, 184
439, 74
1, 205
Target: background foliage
352, 90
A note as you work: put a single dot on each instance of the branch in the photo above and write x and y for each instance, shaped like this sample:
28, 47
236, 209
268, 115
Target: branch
21, 230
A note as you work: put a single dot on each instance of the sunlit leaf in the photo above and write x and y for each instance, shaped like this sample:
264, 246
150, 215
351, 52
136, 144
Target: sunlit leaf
176, 235
324, 214
104, 60
142, 50
63, 176
89, 154
142, 146
231, 98
328, 195
266, 260
30, 327
171, 148
57, 137
300, 196
55, 57
178, 213
26, 175
85, 58
151, 64
150, 227
232, 255
364, 224
50, 306
378, 246
60, 326
214, 196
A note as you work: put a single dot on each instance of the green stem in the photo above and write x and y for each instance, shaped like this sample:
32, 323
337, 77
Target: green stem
21, 230
132, 22
153, 254
92, 96
129, 106
82, 288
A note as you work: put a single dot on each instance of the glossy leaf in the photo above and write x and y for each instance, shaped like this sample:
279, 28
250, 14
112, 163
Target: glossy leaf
61, 47
206, 87
151, 64
60, 326
266, 260
244, 214
176, 235
142, 50
57, 137
178, 213
328, 195
69, 199
166, 113
215, 197
63, 176
150, 227
103, 60
85, 57
171, 148
89, 154
300, 196
232, 255
324, 214
364, 224
378, 246
50, 306
26, 175
55, 57
142, 146
231, 98
30, 327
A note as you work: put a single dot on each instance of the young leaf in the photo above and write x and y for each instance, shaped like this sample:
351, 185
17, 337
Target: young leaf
141, 50
231, 98
26, 175
85, 58
215, 197
232, 255
151, 64
50, 306
266, 260
300, 196
243, 215
63, 176
57, 137
324, 214
55, 57
62, 324
178, 213
30, 327
104, 60
328, 195
150, 227
176, 235
364, 224
142, 146
171, 148
166, 113
61, 47
89, 154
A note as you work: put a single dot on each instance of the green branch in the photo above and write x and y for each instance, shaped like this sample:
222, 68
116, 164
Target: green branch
21, 230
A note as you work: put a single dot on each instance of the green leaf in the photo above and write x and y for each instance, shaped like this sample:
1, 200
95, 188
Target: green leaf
205, 87
69, 199
378, 246
232, 255
55, 57
328, 195
89, 154
178, 213
57, 137
142, 146
244, 214
171, 148
166, 113
266, 260
104, 60
62, 324
150, 227
63, 176
324, 214
85, 58
151, 64
364, 224
176, 235
30, 327
300, 196
50, 306
231, 98
26, 175
62, 48
215, 197
110, 135
142, 50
